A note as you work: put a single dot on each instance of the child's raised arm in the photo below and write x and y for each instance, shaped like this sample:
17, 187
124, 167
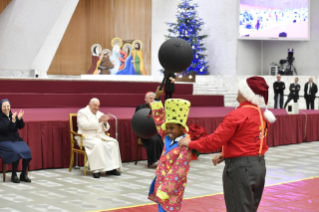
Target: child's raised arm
158, 113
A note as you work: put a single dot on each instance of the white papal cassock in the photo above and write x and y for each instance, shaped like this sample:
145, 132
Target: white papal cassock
103, 151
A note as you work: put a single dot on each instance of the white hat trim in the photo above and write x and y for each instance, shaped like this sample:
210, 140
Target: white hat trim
256, 99
246, 91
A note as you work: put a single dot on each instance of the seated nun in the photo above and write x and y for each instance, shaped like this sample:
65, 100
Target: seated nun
12, 146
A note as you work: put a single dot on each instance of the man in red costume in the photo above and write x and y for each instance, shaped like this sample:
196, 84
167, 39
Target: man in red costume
242, 134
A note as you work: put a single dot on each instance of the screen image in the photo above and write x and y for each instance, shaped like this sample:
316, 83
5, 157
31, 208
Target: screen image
273, 19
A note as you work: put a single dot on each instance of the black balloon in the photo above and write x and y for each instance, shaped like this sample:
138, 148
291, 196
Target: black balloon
143, 125
175, 55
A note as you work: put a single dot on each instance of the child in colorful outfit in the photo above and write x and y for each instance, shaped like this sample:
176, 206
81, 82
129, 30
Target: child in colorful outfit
167, 188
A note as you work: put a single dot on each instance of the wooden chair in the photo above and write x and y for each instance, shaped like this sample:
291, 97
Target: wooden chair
75, 148
4, 168
139, 144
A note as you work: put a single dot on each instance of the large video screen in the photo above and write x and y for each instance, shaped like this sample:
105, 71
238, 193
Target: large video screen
274, 19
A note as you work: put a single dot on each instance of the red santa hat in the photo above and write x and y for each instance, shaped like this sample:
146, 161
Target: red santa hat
255, 90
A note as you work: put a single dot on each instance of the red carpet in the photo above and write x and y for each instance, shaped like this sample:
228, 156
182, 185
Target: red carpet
294, 196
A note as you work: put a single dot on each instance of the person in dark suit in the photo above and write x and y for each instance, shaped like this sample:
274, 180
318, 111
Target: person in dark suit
310, 93
153, 145
294, 89
279, 88
12, 146
169, 85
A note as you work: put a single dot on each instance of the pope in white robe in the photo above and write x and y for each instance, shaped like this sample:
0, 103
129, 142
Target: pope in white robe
102, 151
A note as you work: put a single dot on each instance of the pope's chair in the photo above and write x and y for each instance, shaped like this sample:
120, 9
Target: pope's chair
75, 148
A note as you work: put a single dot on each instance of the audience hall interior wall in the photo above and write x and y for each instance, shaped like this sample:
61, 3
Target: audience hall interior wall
99, 21
249, 57
219, 56
3, 5
163, 11
31, 30
226, 54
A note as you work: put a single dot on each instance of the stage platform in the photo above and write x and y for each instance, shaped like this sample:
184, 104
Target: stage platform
47, 131
74, 93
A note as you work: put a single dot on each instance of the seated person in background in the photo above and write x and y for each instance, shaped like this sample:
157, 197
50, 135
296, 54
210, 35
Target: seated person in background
153, 145
294, 89
12, 146
103, 151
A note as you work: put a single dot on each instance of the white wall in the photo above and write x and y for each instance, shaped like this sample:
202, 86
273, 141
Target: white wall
249, 57
31, 31
220, 24
162, 11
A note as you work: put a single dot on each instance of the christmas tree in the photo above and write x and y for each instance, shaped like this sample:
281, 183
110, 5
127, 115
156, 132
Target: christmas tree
188, 27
